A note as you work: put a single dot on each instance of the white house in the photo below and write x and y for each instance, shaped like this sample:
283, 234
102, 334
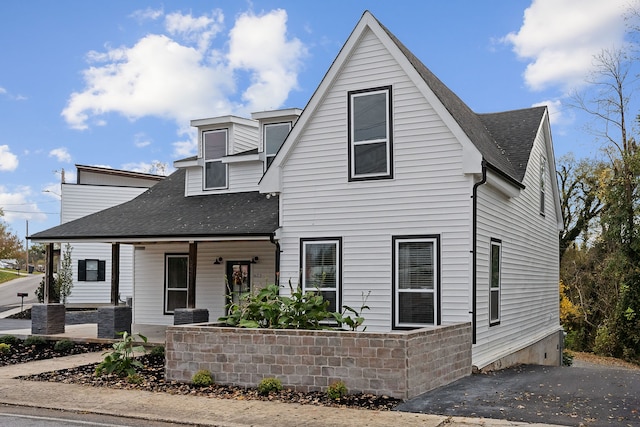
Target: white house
98, 188
387, 186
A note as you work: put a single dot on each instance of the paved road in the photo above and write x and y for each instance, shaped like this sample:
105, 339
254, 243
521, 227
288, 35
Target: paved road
9, 290
591, 396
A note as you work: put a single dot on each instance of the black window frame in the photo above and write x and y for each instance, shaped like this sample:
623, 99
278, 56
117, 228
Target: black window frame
395, 303
495, 289
352, 144
82, 270
166, 289
304, 242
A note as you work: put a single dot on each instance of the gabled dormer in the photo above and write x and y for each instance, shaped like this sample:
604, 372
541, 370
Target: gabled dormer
227, 159
274, 128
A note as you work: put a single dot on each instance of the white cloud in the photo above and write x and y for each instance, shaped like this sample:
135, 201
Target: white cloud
141, 140
16, 205
182, 75
259, 44
147, 14
558, 113
61, 154
2, 90
8, 160
560, 37
154, 167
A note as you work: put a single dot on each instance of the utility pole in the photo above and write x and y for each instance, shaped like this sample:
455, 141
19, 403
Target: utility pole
26, 242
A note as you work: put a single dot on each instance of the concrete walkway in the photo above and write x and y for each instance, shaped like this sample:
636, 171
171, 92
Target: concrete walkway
198, 410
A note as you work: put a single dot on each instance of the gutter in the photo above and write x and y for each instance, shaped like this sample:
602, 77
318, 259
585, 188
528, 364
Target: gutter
277, 263
474, 280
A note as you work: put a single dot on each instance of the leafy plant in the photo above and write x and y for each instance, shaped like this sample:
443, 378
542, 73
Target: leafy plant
5, 348
63, 281
352, 322
202, 378
268, 309
567, 358
337, 390
269, 385
35, 341
63, 346
134, 379
157, 351
9, 339
121, 360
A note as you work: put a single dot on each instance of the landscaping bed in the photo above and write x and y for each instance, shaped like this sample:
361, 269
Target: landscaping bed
32, 349
151, 378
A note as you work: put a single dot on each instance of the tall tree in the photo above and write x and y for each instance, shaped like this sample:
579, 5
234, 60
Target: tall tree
10, 244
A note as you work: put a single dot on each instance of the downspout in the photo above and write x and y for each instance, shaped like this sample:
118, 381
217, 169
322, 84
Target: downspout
277, 263
474, 274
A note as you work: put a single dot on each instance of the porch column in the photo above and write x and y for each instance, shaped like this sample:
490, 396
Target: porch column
191, 286
48, 318
115, 273
114, 319
191, 314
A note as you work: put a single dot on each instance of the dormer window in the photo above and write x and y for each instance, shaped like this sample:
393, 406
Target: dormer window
274, 136
370, 142
214, 149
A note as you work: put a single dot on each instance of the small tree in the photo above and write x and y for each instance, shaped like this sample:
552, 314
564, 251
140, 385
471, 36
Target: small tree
64, 281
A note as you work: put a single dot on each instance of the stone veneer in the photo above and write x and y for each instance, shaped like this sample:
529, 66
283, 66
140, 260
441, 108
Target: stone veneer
402, 364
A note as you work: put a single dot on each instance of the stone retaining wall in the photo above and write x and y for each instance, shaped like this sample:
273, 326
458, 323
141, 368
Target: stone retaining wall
402, 364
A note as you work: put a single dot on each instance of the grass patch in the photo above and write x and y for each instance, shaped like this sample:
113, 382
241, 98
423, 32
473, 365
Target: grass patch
7, 275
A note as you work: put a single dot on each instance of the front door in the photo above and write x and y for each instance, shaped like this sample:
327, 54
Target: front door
238, 280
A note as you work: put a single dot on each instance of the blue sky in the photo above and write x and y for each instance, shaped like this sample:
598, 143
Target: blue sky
115, 83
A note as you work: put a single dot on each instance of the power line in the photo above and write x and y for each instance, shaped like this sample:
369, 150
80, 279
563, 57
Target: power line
31, 212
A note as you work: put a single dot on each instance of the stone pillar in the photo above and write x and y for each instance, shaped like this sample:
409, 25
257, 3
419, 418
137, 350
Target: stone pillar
113, 319
187, 316
47, 319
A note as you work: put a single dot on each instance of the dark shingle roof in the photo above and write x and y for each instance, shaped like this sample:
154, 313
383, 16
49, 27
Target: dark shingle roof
163, 211
502, 150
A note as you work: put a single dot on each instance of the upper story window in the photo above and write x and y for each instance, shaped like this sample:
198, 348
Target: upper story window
214, 149
274, 136
370, 141
543, 172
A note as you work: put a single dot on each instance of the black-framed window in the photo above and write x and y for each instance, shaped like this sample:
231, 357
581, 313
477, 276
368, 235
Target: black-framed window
91, 270
176, 278
495, 281
274, 135
214, 145
416, 281
543, 173
320, 264
370, 134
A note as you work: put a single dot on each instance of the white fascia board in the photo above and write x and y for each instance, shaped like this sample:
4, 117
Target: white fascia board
223, 120
545, 129
284, 114
503, 186
271, 180
186, 163
242, 158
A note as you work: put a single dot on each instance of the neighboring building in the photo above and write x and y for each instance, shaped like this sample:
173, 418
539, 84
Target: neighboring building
386, 185
98, 188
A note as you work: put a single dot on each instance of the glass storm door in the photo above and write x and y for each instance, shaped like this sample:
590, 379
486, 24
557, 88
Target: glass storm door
238, 280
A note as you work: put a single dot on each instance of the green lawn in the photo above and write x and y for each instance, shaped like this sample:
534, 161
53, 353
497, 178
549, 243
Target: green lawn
6, 275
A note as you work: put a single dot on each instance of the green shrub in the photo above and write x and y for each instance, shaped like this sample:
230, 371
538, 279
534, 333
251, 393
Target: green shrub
5, 348
567, 358
9, 339
268, 385
157, 351
202, 378
35, 341
337, 390
63, 346
121, 360
134, 379
604, 344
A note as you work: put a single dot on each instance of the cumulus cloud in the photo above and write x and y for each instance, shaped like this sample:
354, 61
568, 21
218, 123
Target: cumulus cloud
558, 113
16, 205
559, 38
8, 160
61, 154
183, 74
147, 14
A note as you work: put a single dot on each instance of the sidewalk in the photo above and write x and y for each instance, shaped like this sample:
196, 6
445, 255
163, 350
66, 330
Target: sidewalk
199, 410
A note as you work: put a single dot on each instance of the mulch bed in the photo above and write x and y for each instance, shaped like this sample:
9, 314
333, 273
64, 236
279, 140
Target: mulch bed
24, 351
152, 379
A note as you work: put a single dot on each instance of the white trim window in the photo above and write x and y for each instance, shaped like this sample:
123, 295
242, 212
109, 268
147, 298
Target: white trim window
214, 147
495, 281
176, 278
370, 141
274, 135
320, 263
416, 281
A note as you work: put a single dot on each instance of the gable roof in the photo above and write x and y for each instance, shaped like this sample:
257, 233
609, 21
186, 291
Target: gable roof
498, 148
164, 213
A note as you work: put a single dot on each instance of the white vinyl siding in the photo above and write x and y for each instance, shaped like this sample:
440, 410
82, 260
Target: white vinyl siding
210, 277
529, 307
81, 200
428, 195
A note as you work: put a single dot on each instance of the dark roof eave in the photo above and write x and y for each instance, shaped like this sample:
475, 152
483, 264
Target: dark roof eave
505, 176
146, 238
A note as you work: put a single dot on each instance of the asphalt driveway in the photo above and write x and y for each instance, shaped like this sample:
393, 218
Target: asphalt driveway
583, 395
